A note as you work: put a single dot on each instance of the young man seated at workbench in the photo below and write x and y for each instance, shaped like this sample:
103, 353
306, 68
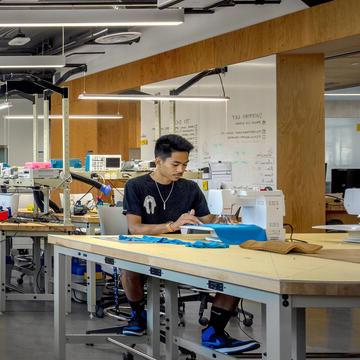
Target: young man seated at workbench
159, 203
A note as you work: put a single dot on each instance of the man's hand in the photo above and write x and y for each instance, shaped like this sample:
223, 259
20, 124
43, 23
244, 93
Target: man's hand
184, 219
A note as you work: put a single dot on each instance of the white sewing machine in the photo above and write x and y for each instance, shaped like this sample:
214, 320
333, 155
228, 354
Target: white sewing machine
263, 208
352, 207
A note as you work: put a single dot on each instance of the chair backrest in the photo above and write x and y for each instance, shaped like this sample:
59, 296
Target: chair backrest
10, 200
112, 220
87, 200
118, 196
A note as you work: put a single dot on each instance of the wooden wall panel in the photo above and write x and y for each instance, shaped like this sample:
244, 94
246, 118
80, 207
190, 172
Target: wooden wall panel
83, 133
117, 136
301, 138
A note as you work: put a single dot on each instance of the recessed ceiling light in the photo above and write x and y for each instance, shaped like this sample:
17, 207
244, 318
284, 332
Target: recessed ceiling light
125, 37
19, 40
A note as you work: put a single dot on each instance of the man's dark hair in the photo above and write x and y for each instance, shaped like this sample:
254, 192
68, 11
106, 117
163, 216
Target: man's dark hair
167, 144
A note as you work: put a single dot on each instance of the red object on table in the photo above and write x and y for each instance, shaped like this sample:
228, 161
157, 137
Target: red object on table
4, 215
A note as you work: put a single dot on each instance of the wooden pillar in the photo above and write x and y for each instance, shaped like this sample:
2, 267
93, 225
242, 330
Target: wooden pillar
301, 138
118, 136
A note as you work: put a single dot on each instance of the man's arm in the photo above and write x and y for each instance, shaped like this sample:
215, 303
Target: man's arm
208, 219
136, 227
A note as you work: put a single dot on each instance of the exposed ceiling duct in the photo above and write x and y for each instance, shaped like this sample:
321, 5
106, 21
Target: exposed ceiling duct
311, 3
163, 4
16, 14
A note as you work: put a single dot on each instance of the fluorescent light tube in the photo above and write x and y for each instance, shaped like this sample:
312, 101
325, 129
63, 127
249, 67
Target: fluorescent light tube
27, 62
140, 97
342, 94
75, 117
90, 18
5, 105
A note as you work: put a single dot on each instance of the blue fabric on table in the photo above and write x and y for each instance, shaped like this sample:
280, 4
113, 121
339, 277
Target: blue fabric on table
164, 240
207, 244
235, 234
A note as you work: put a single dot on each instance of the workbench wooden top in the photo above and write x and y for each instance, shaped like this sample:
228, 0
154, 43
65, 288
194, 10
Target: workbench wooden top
89, 218
283, 274
36, 227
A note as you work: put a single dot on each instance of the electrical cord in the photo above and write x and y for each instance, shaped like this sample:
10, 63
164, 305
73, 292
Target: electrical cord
291, 239
48, 217
115, 188
37, 279
335, 197
291, 231
79, 200
242, 312
222, 85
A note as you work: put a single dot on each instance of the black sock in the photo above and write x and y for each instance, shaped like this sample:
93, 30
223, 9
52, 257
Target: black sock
219, 318
138, 307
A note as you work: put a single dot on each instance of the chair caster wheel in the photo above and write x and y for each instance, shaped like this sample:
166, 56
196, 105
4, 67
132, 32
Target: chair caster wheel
248, 322
19, 281
189, 354
192, 357
128, 356
99, 311
203, 321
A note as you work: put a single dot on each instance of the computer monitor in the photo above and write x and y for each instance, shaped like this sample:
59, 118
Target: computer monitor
342, 179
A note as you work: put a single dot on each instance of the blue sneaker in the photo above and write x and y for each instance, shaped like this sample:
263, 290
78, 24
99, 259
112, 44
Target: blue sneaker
136, 325
225, 344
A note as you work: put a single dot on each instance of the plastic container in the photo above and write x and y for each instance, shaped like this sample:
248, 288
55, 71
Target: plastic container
37, 165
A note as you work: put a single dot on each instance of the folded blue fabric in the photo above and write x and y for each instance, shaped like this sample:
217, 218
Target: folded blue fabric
156, 240
207, 244
235, 234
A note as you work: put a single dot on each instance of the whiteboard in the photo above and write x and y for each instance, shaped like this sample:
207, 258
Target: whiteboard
242, 131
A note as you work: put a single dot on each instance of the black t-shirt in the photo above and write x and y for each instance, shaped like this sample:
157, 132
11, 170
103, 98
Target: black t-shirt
142, 198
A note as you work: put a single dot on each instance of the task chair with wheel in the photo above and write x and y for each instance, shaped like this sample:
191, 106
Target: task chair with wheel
112, 222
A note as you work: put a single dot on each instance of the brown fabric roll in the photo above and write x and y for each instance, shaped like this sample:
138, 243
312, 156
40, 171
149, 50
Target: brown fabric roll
281, 247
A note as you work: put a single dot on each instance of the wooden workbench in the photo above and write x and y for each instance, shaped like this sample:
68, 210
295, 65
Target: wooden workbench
277, 273
285, 284
91, 218
36, 231
36, 227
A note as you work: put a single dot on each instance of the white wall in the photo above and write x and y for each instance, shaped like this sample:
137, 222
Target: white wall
17, 134
242, 131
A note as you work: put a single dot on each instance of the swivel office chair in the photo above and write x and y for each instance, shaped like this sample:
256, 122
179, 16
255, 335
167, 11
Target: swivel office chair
112, 222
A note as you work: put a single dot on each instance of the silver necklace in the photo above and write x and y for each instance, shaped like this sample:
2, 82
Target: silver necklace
164, 201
